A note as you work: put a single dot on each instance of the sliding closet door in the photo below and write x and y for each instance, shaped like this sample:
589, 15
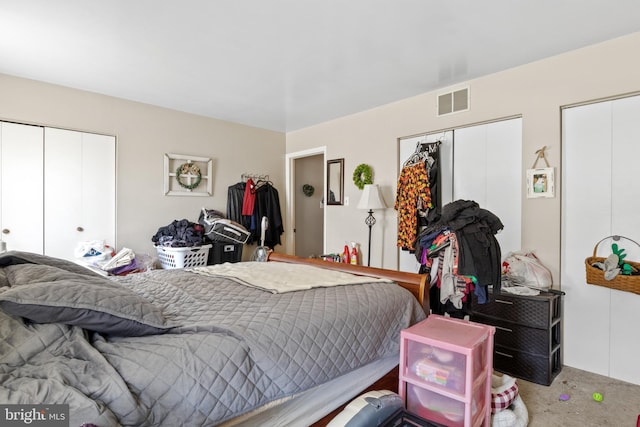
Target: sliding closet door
487, 168
625, 220
79, 190
21, 186
586, 218
99, 191
600, 199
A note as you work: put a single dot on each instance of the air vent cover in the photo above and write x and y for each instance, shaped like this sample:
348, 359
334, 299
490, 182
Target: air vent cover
452, 102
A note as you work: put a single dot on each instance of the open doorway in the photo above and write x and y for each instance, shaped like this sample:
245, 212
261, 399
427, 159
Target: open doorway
306, 172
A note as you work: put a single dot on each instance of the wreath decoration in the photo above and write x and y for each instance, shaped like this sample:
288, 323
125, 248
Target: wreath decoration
362, 175
308, 190
191, 169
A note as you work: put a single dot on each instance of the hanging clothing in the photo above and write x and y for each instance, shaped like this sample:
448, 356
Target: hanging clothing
249, 198
454, 287
267, 203
435, 184
413, 193
235, 199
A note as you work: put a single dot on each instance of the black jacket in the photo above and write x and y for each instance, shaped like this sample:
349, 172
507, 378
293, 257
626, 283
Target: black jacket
267, 204
235, 197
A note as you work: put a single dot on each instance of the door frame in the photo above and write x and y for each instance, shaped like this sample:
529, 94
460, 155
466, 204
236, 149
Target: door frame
290, 195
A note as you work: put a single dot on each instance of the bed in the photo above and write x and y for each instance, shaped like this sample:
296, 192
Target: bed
199, 348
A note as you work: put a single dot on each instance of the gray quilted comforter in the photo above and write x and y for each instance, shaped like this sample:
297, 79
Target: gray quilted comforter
194, 350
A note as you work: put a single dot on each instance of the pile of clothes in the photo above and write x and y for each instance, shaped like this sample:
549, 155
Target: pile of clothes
179, 234
102, 259
462, 255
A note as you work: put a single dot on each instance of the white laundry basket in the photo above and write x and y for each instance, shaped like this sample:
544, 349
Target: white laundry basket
194, 256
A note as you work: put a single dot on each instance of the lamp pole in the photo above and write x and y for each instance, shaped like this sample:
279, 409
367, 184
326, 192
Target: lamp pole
370, 221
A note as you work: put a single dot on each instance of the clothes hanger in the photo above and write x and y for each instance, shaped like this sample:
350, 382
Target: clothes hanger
416, 157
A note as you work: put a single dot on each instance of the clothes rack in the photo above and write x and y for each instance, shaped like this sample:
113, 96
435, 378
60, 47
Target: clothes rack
254, 177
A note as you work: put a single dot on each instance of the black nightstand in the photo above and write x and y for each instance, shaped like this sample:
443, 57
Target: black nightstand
528, 338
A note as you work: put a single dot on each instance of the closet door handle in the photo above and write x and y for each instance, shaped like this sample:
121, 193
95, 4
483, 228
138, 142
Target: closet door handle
80, 229
5, 231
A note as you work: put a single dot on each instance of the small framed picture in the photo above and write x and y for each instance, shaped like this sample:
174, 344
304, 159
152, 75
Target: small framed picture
540, 183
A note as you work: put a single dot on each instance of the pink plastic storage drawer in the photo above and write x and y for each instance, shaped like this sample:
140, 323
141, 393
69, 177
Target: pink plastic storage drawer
445, 371
436, 366
444, 410
436, 351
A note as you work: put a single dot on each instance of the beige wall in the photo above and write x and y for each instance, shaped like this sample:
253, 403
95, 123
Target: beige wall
144, 133
536, 91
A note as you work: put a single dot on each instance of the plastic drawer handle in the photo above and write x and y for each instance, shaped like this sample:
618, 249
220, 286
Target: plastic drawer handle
503, 329
504, 354
501, 301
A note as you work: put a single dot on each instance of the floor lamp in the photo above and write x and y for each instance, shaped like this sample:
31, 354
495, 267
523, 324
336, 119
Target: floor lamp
371, 200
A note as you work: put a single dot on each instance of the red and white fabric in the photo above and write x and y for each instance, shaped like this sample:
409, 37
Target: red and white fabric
504, 390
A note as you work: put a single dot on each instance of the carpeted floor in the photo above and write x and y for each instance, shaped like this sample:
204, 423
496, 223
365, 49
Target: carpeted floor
620, 405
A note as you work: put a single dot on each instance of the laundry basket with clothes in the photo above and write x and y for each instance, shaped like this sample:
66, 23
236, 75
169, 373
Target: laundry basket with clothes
179, 234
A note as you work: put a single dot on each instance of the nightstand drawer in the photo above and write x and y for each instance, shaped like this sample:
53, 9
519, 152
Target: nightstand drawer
522, 338
533, 311
531, 367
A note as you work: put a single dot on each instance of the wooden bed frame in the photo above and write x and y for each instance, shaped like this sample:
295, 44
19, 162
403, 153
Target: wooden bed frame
415, 283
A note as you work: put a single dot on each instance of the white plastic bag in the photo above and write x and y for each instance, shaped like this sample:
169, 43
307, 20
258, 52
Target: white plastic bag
525, 269
93, 252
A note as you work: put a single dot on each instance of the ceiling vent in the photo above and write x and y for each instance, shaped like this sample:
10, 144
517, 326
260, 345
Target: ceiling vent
452, 102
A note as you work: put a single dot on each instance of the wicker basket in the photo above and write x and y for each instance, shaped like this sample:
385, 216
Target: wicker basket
595, 276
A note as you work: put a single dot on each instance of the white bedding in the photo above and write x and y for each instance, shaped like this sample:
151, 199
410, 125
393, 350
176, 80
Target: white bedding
277, 278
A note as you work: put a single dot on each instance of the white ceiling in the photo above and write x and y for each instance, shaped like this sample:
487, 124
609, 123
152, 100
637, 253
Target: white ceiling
287, 64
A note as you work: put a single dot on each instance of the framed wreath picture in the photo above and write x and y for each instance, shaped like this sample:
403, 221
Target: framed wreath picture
540, 183
187, 175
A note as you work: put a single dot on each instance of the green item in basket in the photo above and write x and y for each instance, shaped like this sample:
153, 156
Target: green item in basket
619, 252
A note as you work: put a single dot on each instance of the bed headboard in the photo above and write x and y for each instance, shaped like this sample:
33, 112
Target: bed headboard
414, 282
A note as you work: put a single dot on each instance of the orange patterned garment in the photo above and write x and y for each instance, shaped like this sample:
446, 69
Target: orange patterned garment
413, 193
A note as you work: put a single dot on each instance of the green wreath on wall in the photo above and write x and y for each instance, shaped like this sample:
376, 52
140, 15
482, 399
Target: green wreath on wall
188, 169
308, 190
362, 175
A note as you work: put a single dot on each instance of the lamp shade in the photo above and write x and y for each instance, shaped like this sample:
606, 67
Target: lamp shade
371, 198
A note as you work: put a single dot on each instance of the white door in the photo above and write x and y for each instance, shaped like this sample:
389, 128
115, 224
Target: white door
79, 190
599, 199
488, 169
21, 198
